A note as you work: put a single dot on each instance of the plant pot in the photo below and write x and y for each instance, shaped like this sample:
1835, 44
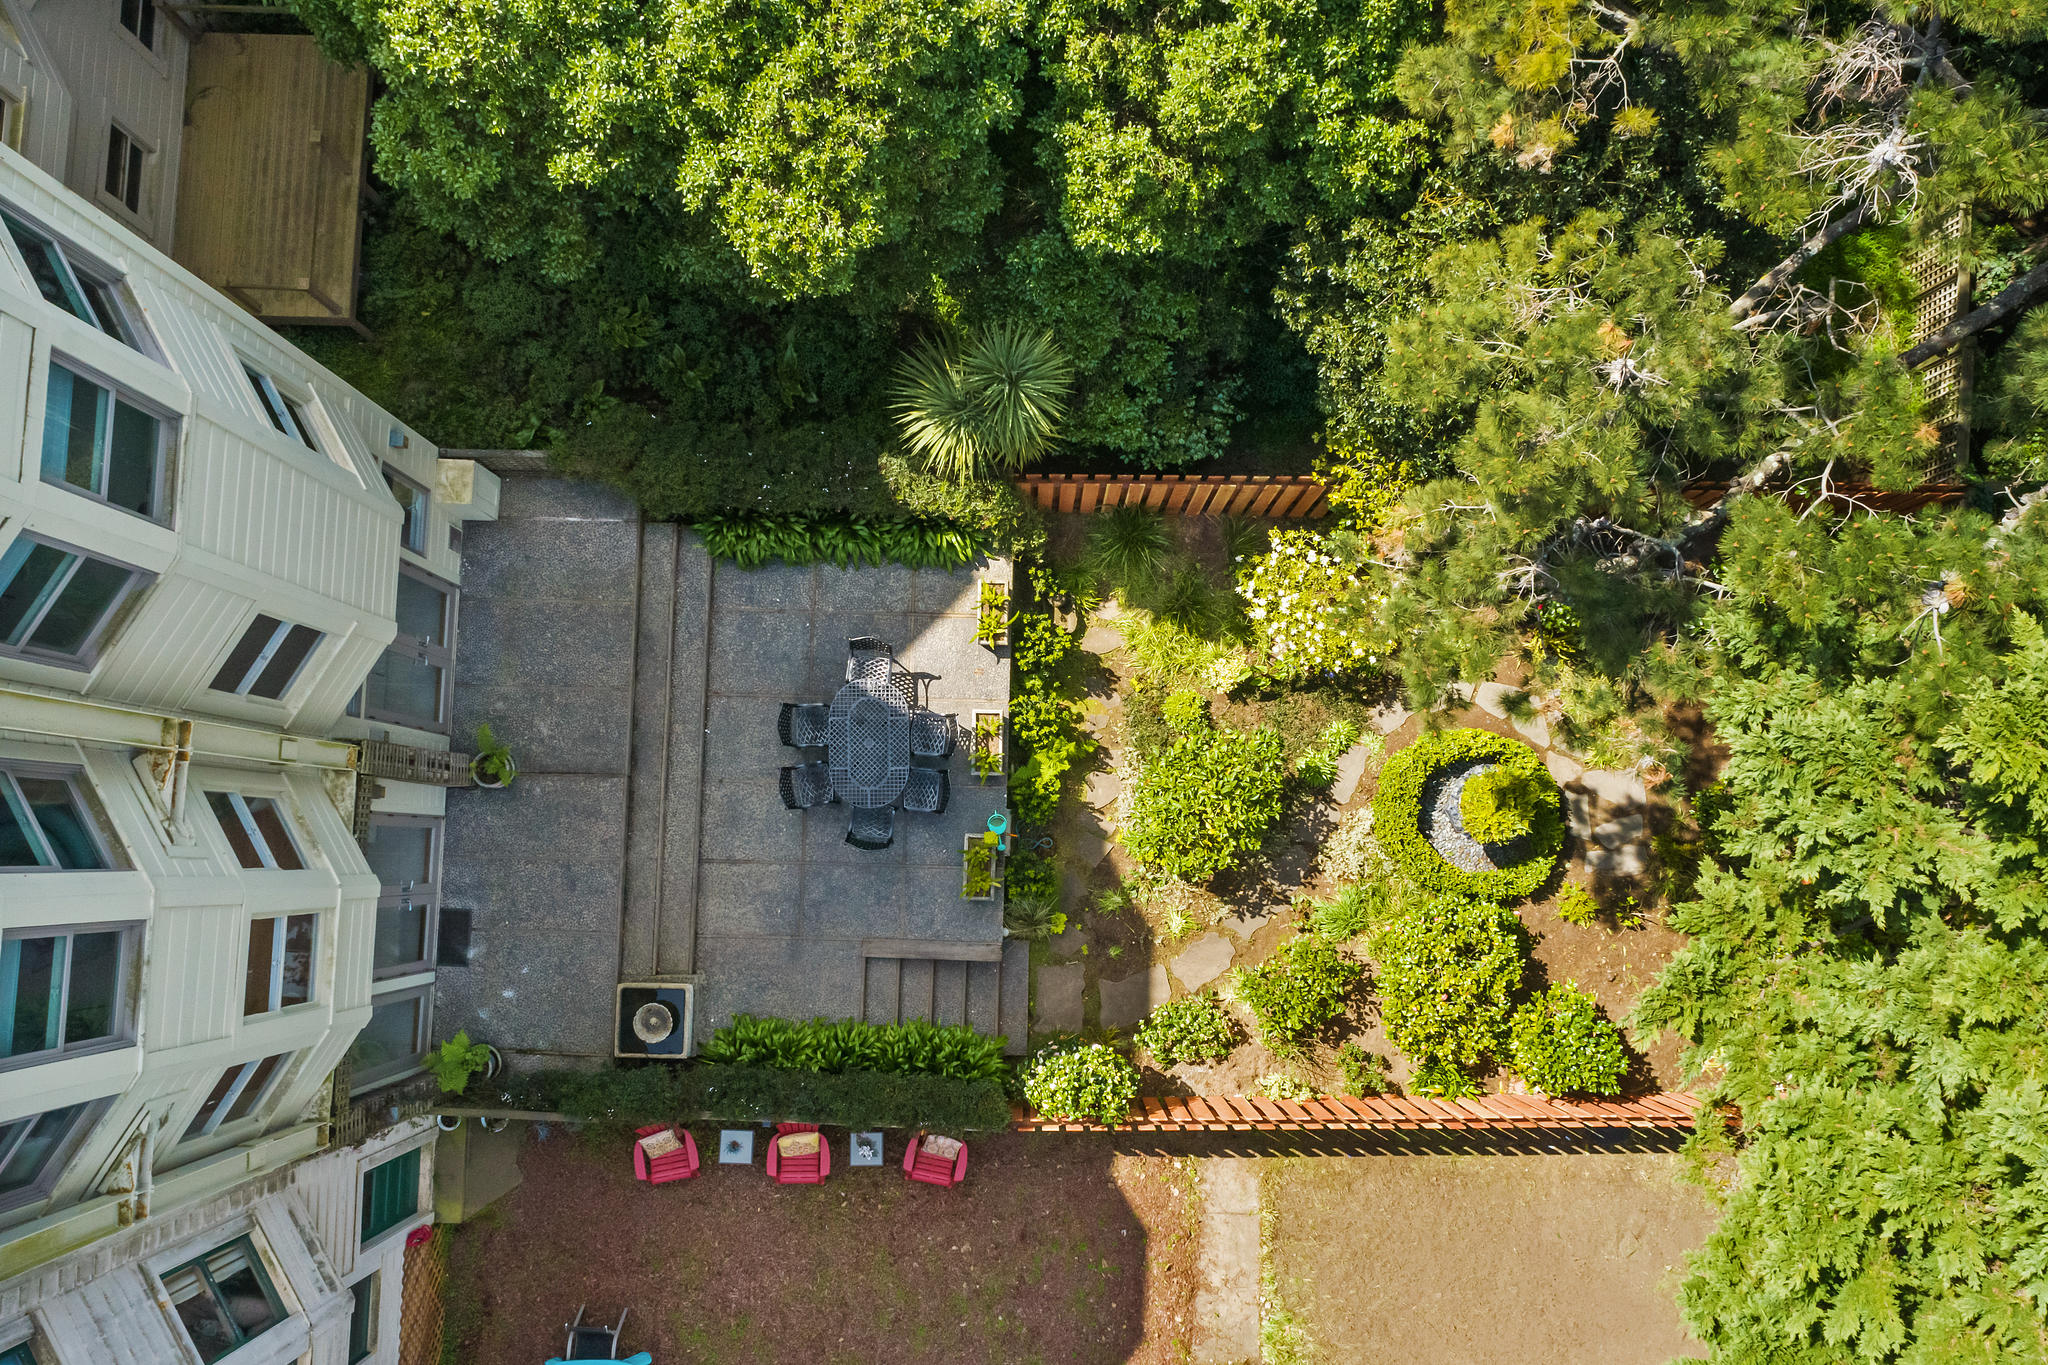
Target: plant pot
494, 1067
997, 744
997, 602
969, 842
447, 1123
488, 783
491, 1124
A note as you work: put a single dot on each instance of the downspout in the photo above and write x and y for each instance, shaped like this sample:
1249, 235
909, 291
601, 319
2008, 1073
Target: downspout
145, 1174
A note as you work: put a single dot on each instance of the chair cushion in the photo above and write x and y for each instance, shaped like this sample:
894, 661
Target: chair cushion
660, 1144
797, 1144
944, 1148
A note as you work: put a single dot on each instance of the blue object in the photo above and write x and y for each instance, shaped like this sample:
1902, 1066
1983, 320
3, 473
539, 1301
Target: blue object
637, 1358
998, 823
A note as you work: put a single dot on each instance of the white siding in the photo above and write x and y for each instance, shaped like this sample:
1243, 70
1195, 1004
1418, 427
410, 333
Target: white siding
29, 74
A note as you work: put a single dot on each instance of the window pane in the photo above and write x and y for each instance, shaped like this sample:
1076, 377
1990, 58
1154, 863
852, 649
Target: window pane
262, 952
44, 268
243, 1288
106, 309
206, 1322
74, 424
252, 1093
404, 688
422, 610
131, 460
16, 849
117, 160
270, 823
401, 855
401, 935
298, 961
277, 675
213, 1100
31, 978
391, 1194
54, 806
21, 1355
29, 572
303, 428
133, 181
389, 1039
79, 609
254, 641
231, 825
94, 998
362, 1321
45, 1133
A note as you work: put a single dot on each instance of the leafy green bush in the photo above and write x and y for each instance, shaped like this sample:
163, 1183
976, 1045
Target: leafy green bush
1438, 1079
1354, 910
1281, 1086
1495, 806
1365, 1073
620, 1099
1030, 876
1307, 615
1398, 814
1446, 970
1298, 991
1317, 765
1185, 711
1194, 1028
851, 1045
751, 541
1562, 1044
1575, 905
1086, 1082
1042, 715
1205, 801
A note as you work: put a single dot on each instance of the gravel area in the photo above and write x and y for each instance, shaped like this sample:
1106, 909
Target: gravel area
1447, 829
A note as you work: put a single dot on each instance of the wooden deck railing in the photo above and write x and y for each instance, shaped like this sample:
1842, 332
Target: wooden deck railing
1236, 1113
1213, 495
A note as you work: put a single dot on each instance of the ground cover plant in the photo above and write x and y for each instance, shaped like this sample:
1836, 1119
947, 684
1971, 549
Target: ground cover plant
833, 1045
1194, 1028
1077, 1081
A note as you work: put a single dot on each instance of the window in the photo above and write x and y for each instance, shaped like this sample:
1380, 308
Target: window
391, 1194
88, 294
266, 659
22, 1355
408, 684
10, 133
224, 1298
62, 991
405, 853
257, 830
236, 1094
55, 603
287, 414
391, 1043
280, 963
139, 18
362, 1321
412, 501
32, 1151
102, 444
44, 822
124, 168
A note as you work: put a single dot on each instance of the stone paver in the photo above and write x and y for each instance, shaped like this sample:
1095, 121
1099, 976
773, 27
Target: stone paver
1127, 1001
1227, 1299
1102, 638
1203, 960
1563, 769
1089, 845
1628, 829
1388, 717
1615, 786
1492, 698
1629, 860
1102, 789
1350, 768
1536, 729
1059, 998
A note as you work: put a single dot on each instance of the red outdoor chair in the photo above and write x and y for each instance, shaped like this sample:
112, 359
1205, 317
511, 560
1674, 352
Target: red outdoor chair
934, 1170
798, 1170
680, 1164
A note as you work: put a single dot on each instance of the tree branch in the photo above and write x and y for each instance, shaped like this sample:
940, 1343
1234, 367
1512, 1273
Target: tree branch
1766, 471
2010, 300
1754, 296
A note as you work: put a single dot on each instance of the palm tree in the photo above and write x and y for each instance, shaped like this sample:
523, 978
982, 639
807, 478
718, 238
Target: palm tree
988, 407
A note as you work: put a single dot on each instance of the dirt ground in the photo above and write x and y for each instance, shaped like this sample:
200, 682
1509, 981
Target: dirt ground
1055, 1250
1473, 1260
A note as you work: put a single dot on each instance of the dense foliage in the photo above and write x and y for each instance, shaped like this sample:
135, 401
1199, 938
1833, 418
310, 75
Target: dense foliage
1447, 968
1398, 814
1562, 1044
1198, 806
1299, 991
1086, 1081
752, 541
1044, 717
851, 1045
1194, 1028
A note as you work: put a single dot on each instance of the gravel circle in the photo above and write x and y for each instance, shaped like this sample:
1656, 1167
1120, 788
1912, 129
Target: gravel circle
1445, 829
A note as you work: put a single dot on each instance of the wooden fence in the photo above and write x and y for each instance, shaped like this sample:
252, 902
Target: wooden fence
1236, 1113
1194, 495
1843, 497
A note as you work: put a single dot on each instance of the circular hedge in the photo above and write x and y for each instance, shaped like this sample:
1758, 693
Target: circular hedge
1397, 814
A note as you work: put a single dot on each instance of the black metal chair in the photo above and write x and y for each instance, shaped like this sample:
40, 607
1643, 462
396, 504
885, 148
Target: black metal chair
807, 786
868, 656
802, 725
927, 791
593, 1340
871, 828
931, 734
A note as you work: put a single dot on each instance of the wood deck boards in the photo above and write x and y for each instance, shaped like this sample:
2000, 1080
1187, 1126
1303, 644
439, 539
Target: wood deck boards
272, 175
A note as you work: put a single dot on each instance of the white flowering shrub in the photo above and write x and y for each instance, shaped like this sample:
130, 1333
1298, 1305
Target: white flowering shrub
1305, 623
1090, 1082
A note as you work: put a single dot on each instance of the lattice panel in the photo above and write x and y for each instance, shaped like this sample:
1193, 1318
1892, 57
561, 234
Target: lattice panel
419, 1312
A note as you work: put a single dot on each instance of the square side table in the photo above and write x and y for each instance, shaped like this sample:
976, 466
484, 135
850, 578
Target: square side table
736, 1147
864, 1149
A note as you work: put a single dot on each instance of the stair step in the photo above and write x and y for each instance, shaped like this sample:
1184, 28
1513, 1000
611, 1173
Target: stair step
949, 992
915, 997
984, 996
882, 990
1014, 1007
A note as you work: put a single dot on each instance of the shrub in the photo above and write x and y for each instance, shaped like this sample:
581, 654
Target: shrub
1087, 1082
851, 1045
1127, 545
1281, 1086
750, 541
1295, 993
1205, 801
1398, 815
1185, 711
1446, 970
1354, 910
1563, 1044
1042, 715
1365, 1073
1497, 806
1440, 1080
1194, 1028
1575, 905
1030, 876
619, 1099
1033, 918
1302, 600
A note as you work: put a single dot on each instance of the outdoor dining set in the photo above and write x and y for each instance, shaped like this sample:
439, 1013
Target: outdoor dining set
873, 731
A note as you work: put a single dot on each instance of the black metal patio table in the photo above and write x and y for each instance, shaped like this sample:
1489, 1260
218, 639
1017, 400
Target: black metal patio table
867, 742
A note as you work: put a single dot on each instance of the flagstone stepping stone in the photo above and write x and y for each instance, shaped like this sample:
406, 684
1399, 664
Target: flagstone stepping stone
1102, 789
1058, 1006
1203, 961
1350, 768
1388, 717
1536, 729
1090, 846
1628, 829
1630, 860
1102, 638
1614, 786
1491, 697
1564, 769
1127, 1001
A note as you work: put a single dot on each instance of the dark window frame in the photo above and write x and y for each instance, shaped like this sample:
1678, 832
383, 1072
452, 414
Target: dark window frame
83, 1118
139, 18
269, 644
250, 826
369, 1078
94, 818
239, 1094
426, 896
362, 1317
126, 167
416, 648
279, 934
412, 531
94, 292
280, 1312
287, 413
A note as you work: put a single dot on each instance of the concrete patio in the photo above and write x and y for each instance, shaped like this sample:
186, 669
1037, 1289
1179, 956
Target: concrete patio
638, 683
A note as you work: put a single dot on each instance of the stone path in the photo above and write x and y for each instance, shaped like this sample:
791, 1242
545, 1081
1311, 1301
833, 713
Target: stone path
1227, 1300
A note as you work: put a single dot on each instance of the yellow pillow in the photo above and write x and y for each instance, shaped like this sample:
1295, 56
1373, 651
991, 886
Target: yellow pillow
798, 1144
660, 1144
944, 1148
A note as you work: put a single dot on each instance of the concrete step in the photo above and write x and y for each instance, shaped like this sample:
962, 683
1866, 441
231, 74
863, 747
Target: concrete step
915, 997
1013, 1007
984, 996
949, 992
882, 992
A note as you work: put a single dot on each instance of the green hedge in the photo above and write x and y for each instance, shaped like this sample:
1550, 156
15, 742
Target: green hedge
850, 1045
620, 1099
751, 541
1397, 815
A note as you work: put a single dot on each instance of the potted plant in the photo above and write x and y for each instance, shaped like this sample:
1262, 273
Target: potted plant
988, 745
458, 1059
493, 766
980, 864
993, 627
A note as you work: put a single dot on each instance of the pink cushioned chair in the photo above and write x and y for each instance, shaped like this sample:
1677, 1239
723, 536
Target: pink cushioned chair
798, 1170
680, 1164
934, 1170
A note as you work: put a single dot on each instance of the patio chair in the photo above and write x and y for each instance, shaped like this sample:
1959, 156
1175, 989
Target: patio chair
809, 1168
808, 786
802, 724
927, 791
868, 656
593, 1340
679, 1164
931, 734
934, 1168
873, 829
